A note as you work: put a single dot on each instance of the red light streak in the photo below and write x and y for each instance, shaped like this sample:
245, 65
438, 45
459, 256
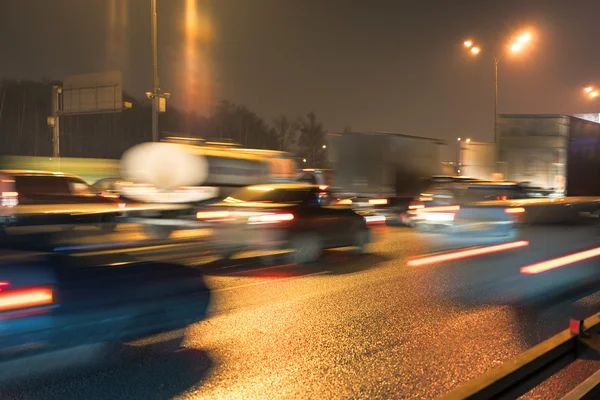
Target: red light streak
515, 210
467, 253
16, 299
560, 261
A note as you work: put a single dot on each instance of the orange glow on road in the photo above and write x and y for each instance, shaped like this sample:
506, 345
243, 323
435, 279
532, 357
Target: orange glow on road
466, 253
25, 298
560, 262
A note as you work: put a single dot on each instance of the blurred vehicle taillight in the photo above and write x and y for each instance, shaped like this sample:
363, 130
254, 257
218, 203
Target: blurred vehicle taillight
415, 205
21, 299
271, 218
110, 195
378, 202
212, 215
517, 213
9, 199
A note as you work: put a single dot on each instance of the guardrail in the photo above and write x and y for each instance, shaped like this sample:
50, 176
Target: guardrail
528, 370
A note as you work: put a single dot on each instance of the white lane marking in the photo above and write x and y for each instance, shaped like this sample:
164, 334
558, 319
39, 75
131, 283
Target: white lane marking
267, 282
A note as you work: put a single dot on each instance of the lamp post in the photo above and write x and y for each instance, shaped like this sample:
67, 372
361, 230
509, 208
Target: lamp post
515, 47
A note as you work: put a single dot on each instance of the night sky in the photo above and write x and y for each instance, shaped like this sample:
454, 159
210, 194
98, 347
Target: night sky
372, 65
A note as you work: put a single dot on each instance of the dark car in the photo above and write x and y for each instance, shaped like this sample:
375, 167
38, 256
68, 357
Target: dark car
51, 302
31, 198
300, 218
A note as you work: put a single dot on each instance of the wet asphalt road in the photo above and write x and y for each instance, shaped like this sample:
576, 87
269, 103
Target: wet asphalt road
368, 327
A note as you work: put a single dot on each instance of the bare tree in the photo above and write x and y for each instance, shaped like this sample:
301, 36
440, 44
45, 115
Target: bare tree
312, 140
286, 132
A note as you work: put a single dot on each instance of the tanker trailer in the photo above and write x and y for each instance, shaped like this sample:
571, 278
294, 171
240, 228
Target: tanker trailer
209, 172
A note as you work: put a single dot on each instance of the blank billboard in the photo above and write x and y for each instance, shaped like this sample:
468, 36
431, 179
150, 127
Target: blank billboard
93, 93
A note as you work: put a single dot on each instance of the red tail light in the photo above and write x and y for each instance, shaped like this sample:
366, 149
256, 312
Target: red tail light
514, 210
415, 206
11, 300
212, 214
9, 199
110, 195
271, 218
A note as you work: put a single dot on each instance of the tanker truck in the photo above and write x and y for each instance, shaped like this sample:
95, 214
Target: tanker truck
211, 171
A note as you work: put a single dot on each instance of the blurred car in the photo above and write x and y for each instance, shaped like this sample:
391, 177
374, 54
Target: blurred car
301, 218
31, 198
52, 302
461, 191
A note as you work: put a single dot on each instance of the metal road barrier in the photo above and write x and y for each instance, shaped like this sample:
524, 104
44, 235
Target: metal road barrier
528, 370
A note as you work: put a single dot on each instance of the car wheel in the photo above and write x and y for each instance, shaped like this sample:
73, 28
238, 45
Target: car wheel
304, 249
158, 231
361, 240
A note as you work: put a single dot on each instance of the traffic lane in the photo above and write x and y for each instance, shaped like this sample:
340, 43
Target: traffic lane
378, 332
383, 334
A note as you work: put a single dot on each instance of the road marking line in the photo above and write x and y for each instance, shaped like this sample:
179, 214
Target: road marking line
467, 253
267, 282
560, 261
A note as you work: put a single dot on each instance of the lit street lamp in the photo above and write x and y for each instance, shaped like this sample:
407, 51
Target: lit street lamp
324, 146
304, 160
516, 47
591, 91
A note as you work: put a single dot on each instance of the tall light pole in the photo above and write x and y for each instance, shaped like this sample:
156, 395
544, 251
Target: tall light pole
516, 47
157, 97
155, 83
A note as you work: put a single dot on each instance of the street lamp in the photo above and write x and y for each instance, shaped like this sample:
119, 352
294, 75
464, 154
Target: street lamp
304, 160
517, 45
324, 146
591, 91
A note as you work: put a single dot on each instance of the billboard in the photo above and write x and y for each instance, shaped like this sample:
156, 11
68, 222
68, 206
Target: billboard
93, 93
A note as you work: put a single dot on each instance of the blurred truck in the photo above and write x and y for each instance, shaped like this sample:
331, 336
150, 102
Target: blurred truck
208, 172
379, 171
556, 152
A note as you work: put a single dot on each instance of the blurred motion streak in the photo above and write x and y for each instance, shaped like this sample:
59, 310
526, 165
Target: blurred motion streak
196, 78
11, 300
560, 262
438, 209
515, 210
467, 253
376, 202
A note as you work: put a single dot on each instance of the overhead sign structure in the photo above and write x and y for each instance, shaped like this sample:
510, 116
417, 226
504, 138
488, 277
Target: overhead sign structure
92, 93
96, 93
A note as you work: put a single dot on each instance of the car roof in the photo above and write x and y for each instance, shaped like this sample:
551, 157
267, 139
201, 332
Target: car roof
24, 172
